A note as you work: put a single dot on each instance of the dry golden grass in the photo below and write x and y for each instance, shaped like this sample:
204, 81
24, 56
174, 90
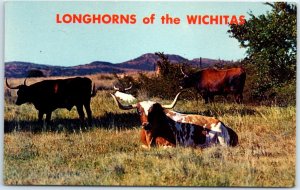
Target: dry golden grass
110, 152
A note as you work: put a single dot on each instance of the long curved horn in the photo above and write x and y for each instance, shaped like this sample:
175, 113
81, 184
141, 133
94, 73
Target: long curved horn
185, 75
170, 106
25, 82
116, 88
123, 107
15, 87
129, 87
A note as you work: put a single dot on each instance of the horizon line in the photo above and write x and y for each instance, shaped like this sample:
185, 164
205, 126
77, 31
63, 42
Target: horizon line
121, 62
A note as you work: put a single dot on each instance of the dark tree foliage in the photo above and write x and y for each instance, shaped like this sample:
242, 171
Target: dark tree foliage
166, 84
271, 45
163, 64
35, 73
126, 82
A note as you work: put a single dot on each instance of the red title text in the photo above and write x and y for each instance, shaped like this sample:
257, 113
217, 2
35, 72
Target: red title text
150, 19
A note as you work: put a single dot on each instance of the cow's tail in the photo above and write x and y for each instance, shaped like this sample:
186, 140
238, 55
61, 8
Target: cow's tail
94, 91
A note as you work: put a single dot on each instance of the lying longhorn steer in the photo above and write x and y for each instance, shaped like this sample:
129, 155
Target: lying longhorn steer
163, 127
48, 95
216, 131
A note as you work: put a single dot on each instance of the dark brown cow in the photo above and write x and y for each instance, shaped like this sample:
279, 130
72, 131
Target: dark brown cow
162, 127
48, 95
211, 82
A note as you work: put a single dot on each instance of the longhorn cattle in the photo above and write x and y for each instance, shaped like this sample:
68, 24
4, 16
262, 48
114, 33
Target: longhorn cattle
162, 127
48, 95
120, 93
122, 88
211, 82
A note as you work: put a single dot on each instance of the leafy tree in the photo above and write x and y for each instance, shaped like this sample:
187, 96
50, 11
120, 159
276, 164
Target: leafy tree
35, 73
270, 40
166, 83
163, 64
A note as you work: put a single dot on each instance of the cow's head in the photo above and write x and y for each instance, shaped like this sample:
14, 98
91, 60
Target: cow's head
23, 92
122, 88
150, 112
188, 80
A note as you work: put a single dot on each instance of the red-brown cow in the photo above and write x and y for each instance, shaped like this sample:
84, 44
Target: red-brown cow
211, 82
162, 127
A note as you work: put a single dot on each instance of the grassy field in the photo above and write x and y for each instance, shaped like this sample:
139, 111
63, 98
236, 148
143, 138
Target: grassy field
110, 153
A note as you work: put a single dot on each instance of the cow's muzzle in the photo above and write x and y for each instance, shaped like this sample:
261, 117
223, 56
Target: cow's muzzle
146, 126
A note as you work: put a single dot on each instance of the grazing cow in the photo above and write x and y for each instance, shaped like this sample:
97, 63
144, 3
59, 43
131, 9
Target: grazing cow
48, 95
210, 82
120, 93
162, 127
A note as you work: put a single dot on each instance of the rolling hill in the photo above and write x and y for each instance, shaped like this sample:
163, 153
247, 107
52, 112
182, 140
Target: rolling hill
146, 62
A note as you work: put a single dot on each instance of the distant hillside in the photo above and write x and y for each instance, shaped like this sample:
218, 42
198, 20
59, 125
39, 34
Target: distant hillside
20, 69
146, 62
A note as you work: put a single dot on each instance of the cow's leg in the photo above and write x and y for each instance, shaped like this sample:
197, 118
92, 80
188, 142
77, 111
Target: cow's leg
208, 97
40, 116
48, 118
205, 98
238, 98
226, 97
148, 138
88, 112
160, 141
211, 98
143, 138
80, 112
241, 98
40, 120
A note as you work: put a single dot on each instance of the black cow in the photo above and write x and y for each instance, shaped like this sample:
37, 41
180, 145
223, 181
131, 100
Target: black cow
48, 95
211, 82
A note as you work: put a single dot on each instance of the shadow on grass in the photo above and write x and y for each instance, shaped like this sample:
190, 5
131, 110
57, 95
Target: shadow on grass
222, 112
118, 121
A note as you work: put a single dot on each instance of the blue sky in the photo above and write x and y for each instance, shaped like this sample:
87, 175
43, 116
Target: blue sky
32, 34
